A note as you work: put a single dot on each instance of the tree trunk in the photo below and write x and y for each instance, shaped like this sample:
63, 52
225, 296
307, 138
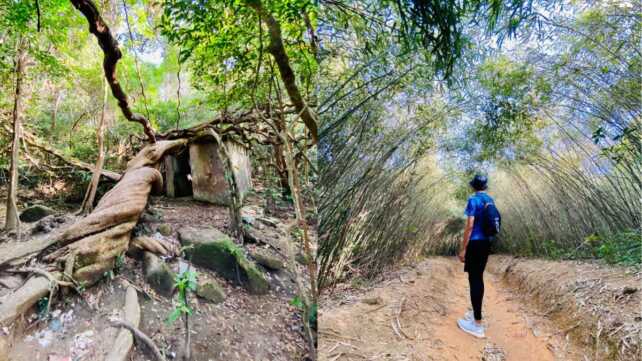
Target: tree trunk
310, 300
232, 182
90, 195
12, 222
99, 238
281, 169
54, 113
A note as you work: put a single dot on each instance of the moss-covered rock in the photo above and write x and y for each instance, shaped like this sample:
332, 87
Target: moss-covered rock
158, 274
211, 248
267, 259
302, 259
35, 213
165, 229
211, 291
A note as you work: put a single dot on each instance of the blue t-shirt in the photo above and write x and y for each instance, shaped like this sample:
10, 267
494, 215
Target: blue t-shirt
474, 208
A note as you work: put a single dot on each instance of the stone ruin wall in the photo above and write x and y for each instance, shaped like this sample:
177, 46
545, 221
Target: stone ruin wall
208, 173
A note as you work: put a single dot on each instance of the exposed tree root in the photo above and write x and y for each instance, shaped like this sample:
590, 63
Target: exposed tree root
141, 336
53, 279
122, 204
94, 241
19, 301
152, 245
125, 340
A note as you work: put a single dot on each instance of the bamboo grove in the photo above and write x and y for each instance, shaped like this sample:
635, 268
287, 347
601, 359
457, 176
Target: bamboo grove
547, 104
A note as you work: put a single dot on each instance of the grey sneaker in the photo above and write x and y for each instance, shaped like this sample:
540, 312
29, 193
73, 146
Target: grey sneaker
471, 327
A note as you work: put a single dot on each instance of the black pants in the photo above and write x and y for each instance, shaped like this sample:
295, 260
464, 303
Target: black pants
476, 257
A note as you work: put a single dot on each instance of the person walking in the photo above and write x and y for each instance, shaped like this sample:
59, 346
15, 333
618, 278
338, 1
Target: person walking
482, 223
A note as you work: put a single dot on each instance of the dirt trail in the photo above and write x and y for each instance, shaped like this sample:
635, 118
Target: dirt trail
432, 296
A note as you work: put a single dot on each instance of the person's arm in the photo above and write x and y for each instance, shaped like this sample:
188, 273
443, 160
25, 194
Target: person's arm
470, 220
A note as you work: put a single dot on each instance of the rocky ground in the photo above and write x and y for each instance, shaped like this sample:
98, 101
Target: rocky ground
240, 311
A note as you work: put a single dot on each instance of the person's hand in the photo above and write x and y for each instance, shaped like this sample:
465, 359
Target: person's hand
462, 255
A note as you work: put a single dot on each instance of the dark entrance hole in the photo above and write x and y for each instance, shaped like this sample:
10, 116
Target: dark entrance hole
178, 172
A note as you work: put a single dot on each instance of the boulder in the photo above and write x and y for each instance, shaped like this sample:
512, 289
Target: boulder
35, 213
211, 248
49, 223
158, 274
165, 229
267, 259
211, 291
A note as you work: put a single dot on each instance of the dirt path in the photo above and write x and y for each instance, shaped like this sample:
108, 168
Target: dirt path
432, 296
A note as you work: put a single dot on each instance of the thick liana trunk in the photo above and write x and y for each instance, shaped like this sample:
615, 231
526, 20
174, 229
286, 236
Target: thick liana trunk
90, 195
98, 239
12, 223
90, 246
277, 50
109, 45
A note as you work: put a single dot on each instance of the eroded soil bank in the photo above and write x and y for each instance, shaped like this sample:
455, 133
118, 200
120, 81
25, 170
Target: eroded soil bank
411, 315
598, 306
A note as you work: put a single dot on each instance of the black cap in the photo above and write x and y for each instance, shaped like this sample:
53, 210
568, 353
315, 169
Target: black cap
479, 182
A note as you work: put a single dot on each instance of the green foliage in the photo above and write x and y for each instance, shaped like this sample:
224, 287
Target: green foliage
225, 47
312, 310
120, 262
297, 302
439, 26
510, 97
184, 282
622, 248
41, 307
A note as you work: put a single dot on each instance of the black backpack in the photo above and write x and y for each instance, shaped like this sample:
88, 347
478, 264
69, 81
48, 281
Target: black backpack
491, 220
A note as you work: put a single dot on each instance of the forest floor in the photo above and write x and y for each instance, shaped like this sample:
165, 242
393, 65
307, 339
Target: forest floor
411, 314
243, 327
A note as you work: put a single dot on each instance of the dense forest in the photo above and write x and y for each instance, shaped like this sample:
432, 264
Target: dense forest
287, 179
177, 136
